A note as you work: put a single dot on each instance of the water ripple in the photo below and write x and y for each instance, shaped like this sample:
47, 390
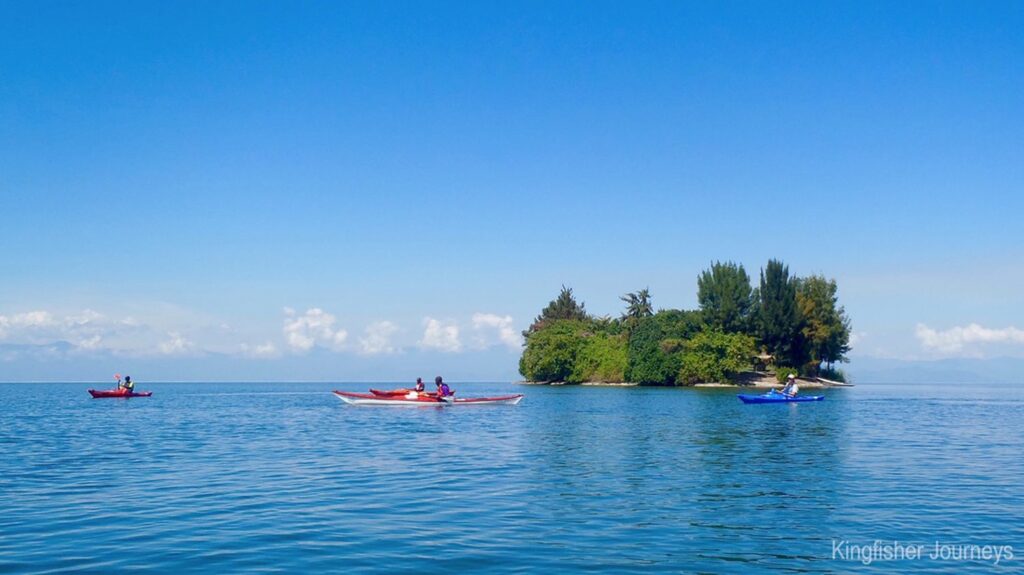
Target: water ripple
283, 477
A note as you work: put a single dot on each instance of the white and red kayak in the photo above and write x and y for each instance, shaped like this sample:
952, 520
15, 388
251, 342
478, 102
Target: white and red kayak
422, 399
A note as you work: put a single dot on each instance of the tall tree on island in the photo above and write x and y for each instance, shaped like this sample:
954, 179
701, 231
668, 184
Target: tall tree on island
638, 306
778, 319
562, 307
824, 325
725, 297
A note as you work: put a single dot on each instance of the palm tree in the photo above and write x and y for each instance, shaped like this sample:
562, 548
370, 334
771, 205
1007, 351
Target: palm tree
638, 305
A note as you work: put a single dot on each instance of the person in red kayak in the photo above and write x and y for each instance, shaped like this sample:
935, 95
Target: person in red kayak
419, 385
128, 384
443, 390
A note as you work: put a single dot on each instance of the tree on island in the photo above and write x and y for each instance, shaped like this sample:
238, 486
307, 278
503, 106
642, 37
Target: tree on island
680, 323
725, 297
778, 319
602, 358
824, 325
713, 356
551, 351
562, 307
647, 361
638, 305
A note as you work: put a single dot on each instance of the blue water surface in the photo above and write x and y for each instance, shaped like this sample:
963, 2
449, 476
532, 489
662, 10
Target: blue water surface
283, 477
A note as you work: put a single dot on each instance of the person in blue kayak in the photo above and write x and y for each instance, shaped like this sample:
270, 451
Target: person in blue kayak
791, 388
443, 390
419, 385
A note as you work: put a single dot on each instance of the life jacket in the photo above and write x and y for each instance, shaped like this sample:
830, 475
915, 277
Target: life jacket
444, 391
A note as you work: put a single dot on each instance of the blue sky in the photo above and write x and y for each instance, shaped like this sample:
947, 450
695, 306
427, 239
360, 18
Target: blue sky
182, 183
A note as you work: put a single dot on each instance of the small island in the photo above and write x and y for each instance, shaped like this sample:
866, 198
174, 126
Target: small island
740, 335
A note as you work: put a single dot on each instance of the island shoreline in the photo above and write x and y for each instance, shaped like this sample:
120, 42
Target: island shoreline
765, 381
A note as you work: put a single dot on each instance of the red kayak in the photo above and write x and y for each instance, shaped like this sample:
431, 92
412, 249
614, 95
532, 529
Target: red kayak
400, 392
390, 392
421, 399
97, 394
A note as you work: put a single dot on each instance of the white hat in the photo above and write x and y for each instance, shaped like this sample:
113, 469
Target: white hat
791, 376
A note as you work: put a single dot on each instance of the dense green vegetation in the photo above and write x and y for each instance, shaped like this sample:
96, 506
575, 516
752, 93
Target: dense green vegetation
715, 356
797, 321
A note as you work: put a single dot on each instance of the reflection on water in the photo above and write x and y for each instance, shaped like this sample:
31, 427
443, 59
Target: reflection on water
249, 477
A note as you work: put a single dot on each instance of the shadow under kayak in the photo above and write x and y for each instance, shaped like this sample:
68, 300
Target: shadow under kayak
778, 398
371, 399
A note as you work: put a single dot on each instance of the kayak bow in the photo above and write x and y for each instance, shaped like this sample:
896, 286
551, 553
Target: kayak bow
372, 399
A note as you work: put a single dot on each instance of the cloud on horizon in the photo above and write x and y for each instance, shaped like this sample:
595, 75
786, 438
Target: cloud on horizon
440, 335
176, 345
163, 330
41, 333
259, 351
315, 327
85, 331
377, 339
966, 339
489, 324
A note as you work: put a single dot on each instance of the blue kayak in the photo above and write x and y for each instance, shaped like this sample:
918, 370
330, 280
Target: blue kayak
776, 397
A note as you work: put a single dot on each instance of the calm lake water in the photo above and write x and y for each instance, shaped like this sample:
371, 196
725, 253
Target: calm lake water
253, 477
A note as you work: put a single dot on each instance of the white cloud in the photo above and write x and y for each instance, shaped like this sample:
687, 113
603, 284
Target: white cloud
440, 335
315, 327
91, 343
262, 351
86, 317
154, 331
91, 332
176, 345
378, 338
489, 324
84, 330
956, 339
31, 319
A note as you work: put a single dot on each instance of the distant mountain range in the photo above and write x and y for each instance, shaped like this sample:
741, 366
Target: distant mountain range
62, 361
880, 370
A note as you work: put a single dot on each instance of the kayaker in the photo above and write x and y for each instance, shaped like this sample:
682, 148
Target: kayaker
129, 384
419, 385
442, 388
791, 388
